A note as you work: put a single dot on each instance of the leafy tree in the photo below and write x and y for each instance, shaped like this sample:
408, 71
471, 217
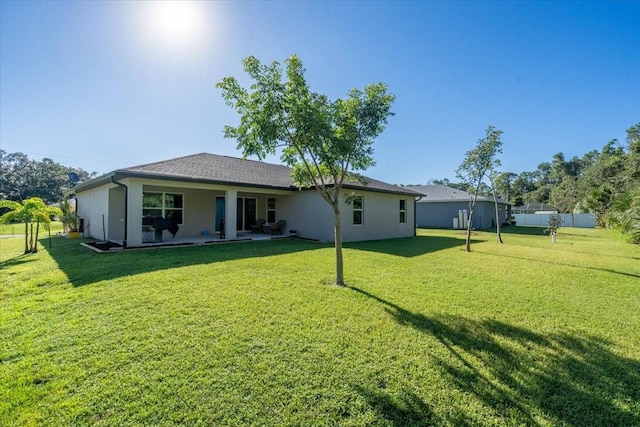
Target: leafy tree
32, 211
604, 181
558, 169
624, 210
564, 195
633, 152
523, 185
477, 163
633, 138
626, 215
555, 222
326, 143
15, 175
22, 178
492, 178
504, 184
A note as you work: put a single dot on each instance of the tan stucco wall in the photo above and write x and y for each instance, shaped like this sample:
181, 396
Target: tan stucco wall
92, 205
304, 211
381, 218
312, 217
308, 213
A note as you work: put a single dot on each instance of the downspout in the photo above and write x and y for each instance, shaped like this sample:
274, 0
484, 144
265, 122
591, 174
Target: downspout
415, 216
78, 210
126, 209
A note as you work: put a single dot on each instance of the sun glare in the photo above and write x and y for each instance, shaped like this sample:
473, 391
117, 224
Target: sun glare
173, 25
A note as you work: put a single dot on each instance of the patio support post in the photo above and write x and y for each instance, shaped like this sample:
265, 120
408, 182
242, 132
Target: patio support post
134, 214
231, 212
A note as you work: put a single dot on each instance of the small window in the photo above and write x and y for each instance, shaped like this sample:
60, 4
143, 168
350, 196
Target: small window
403, 211
271, 210
358, 209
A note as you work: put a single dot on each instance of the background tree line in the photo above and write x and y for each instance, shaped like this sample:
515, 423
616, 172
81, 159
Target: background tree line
605, 182
22, 178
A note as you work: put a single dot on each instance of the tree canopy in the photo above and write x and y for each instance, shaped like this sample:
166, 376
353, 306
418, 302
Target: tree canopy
32, 211
326, 143
22, 178
479, 163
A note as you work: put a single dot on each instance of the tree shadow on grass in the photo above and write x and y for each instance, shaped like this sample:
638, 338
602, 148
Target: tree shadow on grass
409, 246
523, 376
83, 266
16, 260
402, 410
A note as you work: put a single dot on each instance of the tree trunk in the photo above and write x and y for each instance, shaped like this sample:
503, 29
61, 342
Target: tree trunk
35, 242
31, 239
471, 209
26, 237
495, 201
337, 236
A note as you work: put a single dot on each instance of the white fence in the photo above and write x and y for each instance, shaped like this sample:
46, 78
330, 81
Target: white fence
587, 220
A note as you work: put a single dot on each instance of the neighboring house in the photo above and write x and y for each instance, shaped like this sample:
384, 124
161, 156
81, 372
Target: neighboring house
198, 191
441, 204
534, 207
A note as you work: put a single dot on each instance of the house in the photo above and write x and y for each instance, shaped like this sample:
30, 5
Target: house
441, 204
197, 192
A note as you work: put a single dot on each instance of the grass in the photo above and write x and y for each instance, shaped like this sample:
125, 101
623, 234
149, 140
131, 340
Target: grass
15, 229
525, 333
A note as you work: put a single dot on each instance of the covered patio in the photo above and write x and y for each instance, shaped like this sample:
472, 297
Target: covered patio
103, 247
215, 238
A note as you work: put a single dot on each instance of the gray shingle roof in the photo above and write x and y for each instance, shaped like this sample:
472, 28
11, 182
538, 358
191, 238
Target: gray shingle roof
213, 168
443, 193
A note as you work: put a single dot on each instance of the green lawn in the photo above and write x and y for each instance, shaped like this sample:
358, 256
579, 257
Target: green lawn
15, 229
525, 333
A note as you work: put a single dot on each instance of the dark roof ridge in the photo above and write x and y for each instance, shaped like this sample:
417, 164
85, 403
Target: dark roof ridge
203, 153
222, 169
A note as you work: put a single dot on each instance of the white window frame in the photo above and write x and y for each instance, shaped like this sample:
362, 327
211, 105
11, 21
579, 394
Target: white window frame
271, 210
403, 211
164, 208
360, 209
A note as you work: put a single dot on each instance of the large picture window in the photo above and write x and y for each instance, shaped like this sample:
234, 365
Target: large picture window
165, 205
403, 211
358, 210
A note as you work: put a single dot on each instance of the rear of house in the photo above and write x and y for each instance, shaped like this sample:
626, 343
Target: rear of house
199, 193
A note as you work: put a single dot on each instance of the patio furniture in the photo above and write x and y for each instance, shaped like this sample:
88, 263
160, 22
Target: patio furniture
258, 226
160, 224
277, 227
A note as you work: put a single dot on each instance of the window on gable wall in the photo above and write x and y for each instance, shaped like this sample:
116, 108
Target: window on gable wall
358, 210
271, 210
403, 211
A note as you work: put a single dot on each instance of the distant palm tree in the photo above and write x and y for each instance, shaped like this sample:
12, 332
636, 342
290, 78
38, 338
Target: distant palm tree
31, 211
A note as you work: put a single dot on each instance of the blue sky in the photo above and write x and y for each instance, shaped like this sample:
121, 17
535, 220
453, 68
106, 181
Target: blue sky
104, 85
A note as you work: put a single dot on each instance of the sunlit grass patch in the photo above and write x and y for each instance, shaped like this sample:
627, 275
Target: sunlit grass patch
525, 333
